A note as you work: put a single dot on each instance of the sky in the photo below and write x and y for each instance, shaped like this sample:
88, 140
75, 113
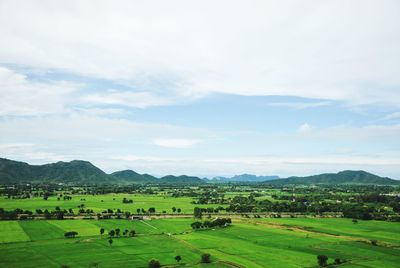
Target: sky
205, 88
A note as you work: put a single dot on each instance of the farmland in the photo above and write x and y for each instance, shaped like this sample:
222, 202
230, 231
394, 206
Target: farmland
99, 203
247, 243
268, 226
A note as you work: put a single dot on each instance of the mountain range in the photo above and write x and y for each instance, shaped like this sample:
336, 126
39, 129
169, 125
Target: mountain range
244, 178
84, 172
79, 172
343, 177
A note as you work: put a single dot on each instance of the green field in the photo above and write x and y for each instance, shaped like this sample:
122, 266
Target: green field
247, 243
100, 203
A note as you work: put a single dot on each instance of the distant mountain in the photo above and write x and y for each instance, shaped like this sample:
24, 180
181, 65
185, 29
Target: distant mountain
134, 177
74, 172
79, 172
183, 179
343, 177
244, 178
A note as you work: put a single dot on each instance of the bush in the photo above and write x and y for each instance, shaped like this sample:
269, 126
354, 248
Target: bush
154, 264
322, 260
205, 258
70, 234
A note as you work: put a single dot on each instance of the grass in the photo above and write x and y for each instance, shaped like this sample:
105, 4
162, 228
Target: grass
100, 203
379, 230
248, 243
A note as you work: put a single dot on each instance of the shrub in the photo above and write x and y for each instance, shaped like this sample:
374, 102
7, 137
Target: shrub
154, 264
322, 260
205, 258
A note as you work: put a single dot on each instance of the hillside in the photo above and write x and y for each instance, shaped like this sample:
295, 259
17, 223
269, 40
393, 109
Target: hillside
183, 179
343, 177
243, 178
76, 171
79, 172
131, 176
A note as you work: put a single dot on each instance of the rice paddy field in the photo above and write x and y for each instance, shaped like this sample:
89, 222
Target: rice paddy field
103, 202
291, 242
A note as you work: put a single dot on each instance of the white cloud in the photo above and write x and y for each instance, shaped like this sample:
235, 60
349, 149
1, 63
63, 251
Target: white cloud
300, 105
130, 99
176, 143
384, 134
22, 97
304, 128
328, 50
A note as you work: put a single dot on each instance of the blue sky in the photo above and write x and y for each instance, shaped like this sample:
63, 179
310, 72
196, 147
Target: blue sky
262, 87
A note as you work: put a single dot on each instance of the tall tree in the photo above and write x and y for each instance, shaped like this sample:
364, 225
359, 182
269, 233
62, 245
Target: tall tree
322, 260
197, 212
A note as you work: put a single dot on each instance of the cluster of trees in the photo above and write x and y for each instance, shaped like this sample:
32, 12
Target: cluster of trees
117, 233
198, 212
323, 261
13, 214
71, 234
218, 222
357, 209
205, 258
127, 201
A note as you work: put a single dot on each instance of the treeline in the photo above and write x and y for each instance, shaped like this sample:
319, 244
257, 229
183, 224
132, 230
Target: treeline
218, 222
358, 210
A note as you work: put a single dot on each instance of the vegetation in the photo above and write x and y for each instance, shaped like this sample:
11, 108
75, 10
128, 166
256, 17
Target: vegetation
351, 225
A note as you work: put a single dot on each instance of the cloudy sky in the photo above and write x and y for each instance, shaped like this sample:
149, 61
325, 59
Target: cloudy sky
202, 87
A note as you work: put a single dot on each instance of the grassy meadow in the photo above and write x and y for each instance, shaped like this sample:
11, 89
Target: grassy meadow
247, 243
103, 202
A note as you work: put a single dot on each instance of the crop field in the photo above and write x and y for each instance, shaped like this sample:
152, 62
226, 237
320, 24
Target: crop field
100, 203
247, 243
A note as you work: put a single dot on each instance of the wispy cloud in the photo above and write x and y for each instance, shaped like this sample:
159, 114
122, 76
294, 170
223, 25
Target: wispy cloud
129, 99
299, 105
176, 143
22, 97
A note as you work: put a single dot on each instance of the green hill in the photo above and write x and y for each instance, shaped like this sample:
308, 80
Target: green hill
343, 177
183, 179
76, 171
134, 177
79, 172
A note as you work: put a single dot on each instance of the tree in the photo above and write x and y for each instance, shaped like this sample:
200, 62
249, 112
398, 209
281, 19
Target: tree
110, 241
154, 264
355, 221
205, 258
132, 233
111, 233
138, 210
178, 258
70, 234
338, 261
322, 260
178, 210
101, 231
60, 215
117, 231
197, 212
196, 225
173, 209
